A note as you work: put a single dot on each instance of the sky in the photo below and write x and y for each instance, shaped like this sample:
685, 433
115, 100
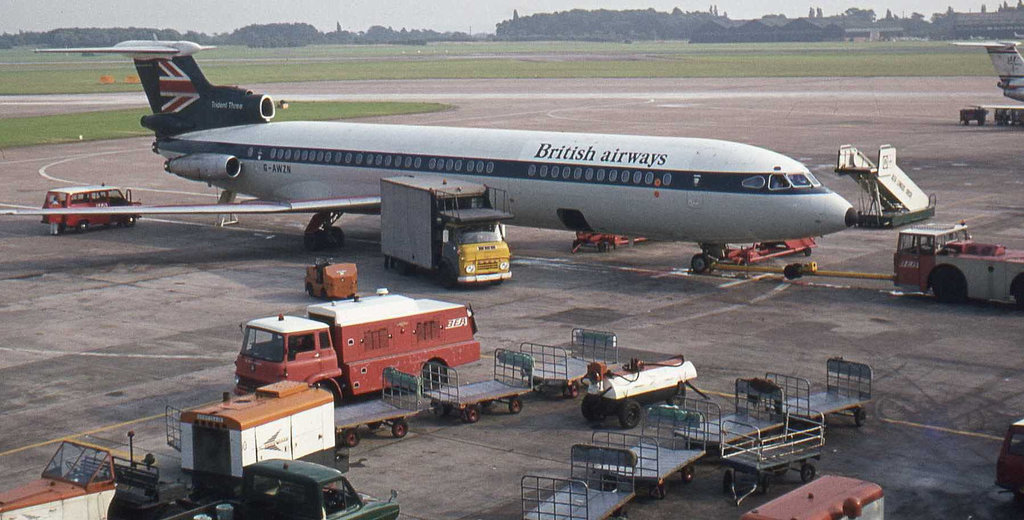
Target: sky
480, 16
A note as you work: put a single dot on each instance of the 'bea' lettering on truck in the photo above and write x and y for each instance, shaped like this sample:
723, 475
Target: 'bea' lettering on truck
576, 153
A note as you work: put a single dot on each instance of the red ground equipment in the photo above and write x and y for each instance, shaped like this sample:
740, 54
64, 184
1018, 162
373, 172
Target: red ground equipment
1010, 465
344, 346
87, 197
601, 241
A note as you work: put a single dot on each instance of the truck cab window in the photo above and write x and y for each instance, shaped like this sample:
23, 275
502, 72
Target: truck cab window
300, 343
478, 234
339, 496
264, 345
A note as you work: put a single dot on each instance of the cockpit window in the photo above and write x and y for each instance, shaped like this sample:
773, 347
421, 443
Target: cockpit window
754, 183
799, 180
814, 180
778, 182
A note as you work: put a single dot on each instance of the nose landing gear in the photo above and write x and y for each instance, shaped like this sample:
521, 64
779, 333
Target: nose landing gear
322, 234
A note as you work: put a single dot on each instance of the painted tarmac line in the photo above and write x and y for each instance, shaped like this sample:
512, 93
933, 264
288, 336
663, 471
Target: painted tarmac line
42, 173
82, 434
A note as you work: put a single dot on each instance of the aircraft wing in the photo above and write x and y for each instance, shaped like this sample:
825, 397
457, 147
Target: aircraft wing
989, 44
346, 204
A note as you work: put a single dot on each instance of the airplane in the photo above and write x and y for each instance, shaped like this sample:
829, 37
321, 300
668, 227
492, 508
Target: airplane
711, 192
1008, 64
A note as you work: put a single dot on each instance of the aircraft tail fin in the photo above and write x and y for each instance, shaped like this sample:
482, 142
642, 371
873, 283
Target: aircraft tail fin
1005, 57
181, 98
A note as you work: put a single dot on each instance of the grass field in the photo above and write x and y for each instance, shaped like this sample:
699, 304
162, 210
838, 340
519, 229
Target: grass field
22, 72
115, 124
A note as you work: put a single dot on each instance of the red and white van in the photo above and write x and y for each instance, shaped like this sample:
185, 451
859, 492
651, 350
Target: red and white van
87, 197
1010, 465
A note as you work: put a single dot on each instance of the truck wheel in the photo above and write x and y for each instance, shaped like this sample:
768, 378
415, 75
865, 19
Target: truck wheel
399, 428
447, 275
130, 222
82, 226
61, 228
949, 285
630, 413
1017, 290
591, 408
515, 405
602, 247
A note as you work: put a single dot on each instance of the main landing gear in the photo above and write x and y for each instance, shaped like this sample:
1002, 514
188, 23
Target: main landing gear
322, 234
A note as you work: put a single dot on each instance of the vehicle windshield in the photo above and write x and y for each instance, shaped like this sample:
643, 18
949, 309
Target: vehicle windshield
262, 344
339, 496
478, 234
78, 465
799, 180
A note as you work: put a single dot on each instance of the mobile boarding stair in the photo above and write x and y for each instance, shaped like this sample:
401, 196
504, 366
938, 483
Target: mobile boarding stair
602, 480
401, 397
847, 390
889, 198
660, 451
562, 369
513, 377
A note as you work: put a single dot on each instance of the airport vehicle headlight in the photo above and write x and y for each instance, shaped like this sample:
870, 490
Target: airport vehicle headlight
503, 266
471, 268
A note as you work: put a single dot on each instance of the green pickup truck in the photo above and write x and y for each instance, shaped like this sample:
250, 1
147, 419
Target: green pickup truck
297, 490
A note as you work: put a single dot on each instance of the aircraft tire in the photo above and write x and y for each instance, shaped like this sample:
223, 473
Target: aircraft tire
700, 263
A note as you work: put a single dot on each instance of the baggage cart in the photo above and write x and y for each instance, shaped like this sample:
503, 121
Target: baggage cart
590, 493
562, 369
401, 398
847, 389
758, 404
660, 453
513, 377
773, 451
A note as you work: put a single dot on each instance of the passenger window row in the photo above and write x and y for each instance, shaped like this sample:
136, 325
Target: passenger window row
626, 176
443, 164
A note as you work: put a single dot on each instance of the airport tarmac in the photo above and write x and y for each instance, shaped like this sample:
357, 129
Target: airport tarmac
104, 329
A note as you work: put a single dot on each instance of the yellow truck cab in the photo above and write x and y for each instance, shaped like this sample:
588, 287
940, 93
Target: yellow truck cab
446, 226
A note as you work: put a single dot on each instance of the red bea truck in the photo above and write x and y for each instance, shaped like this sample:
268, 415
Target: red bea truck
344, 346
1010, 465
87, 197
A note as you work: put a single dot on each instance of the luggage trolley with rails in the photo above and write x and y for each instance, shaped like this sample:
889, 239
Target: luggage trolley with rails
513, 377
758, 404
401, 398
847, 389
560, 368
591, 492
660, 452
773, 451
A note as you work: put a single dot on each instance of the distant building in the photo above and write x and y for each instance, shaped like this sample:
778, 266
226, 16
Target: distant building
1004, 23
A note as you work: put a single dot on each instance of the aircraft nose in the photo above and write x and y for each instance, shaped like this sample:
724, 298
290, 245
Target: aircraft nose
851, 217
836, 214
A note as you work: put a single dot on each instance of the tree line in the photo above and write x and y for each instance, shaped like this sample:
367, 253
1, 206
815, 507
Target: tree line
577, 24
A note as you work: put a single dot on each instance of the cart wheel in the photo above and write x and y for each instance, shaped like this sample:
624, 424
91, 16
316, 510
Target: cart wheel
350, 438
515, 405
860, 416
807, 472
399, 428
471, 414
763, 484
727, 481
571, 390
373, 426
630, 413
591, 408
687, 474
658, 491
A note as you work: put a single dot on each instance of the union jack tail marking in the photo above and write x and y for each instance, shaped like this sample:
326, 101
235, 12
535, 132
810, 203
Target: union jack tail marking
175, 84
